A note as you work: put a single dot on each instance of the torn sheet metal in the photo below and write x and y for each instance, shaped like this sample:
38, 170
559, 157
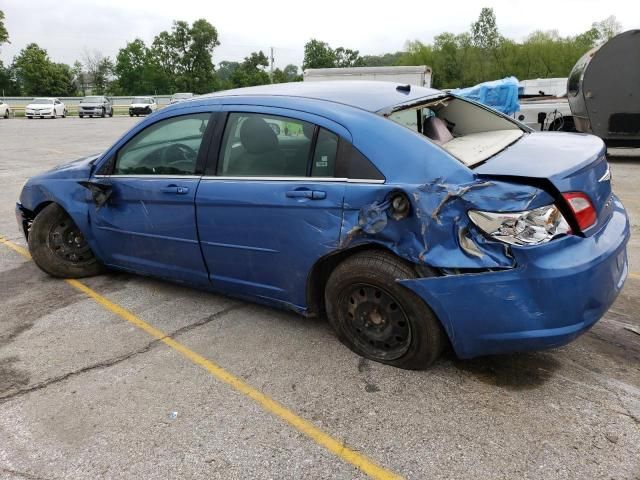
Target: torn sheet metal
437, 232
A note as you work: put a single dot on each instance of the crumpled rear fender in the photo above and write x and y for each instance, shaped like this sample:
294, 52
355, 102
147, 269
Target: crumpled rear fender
437, 231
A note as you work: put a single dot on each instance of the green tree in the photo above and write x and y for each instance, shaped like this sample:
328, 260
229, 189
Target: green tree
100, 70
138, 71
185, 55
345, 57
607, 28
4, 34
484, 31
36, 74
251, 71
384, 60
224, 74
318, 54
288, 74
31, 67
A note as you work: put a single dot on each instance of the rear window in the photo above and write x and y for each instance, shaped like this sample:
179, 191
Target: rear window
468, 132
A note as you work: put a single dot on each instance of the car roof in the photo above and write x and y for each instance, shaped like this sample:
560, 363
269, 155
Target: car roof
372, 96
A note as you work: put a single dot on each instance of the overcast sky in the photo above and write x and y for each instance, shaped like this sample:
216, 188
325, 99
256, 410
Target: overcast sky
66, 28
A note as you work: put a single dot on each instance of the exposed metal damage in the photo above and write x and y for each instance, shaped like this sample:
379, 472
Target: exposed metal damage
434, 228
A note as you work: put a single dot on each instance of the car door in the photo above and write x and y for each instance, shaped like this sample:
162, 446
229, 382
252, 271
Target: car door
57, 105
148, 223
265, 213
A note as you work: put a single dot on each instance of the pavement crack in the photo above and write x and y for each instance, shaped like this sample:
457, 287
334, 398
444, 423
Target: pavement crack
22, 474
61, 378
203, 321
121, 358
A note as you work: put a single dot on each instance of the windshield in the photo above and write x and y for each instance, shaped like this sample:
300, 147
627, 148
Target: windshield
141, 100
91, 100
42, 101
467, 131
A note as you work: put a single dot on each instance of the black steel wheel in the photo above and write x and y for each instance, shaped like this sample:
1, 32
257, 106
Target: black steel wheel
377, 317
376, 321
58, 247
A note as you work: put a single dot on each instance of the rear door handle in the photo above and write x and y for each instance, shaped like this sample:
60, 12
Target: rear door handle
177, 189
311, 194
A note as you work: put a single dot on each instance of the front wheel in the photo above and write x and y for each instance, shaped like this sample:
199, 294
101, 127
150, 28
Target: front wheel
103, 113
58, 247
378, 318
64, 113
6, 114
111, 112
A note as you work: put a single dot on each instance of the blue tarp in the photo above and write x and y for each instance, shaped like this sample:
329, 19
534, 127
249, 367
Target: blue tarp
501, 95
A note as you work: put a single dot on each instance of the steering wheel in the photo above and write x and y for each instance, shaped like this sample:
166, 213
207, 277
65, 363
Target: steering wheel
178, 152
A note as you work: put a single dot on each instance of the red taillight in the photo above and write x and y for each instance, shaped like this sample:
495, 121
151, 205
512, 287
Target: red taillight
582, 209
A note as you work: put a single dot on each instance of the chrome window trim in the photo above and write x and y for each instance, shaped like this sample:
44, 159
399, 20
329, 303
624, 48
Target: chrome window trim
293, 179
147, 176
251, 179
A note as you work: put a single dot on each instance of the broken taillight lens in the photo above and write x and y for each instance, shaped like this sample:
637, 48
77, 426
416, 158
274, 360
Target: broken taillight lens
582, 209
530, 227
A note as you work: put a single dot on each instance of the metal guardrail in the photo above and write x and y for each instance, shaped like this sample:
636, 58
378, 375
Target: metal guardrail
21, 102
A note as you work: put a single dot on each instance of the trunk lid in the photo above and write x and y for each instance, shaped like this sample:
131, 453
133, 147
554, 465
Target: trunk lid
570, 162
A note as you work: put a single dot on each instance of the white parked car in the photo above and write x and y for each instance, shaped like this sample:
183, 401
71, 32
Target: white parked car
142, 106
5, 109
45, 107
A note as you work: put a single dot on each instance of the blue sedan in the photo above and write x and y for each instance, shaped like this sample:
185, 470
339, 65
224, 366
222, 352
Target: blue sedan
412, 218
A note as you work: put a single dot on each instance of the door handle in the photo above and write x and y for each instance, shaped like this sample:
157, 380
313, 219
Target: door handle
310, 194
177, 189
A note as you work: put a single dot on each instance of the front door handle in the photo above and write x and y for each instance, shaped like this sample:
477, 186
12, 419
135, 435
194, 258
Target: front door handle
310, 194
177, 189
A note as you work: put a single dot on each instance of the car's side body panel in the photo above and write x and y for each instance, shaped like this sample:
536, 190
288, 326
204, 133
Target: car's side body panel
248, 238
148, 227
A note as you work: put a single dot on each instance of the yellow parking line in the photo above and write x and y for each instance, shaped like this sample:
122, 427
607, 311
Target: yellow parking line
325, 440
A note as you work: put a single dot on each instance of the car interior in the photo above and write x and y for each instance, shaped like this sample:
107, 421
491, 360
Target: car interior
258, 145
470, 133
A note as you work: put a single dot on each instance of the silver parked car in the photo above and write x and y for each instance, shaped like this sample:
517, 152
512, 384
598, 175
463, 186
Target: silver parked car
95, 106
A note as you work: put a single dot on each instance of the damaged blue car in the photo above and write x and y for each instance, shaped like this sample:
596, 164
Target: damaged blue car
412, 218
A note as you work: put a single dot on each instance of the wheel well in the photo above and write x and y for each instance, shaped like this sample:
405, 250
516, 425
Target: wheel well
30, 215
317, 279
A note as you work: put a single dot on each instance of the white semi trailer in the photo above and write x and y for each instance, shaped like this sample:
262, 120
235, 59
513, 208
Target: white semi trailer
412, 75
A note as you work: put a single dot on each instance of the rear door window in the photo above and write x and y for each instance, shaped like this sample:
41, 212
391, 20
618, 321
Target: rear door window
256, 144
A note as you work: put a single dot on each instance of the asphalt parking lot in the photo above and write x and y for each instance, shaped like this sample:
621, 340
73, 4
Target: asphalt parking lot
227, 389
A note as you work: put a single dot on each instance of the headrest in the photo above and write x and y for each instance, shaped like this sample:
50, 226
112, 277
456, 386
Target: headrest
257, 136
436, 130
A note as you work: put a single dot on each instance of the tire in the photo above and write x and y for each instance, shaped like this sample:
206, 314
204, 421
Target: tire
64, 113
6, 114
58, 247
111, 113
378, 318
80, 115
29, 117
104, 113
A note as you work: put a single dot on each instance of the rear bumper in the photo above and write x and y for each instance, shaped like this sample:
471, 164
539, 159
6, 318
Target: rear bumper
557, 292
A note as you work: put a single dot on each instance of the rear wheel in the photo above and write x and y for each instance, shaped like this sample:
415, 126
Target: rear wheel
111, 112
378, 318
6, 113
58, 247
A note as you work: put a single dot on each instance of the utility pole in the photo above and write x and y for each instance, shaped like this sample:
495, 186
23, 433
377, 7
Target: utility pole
271, 63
